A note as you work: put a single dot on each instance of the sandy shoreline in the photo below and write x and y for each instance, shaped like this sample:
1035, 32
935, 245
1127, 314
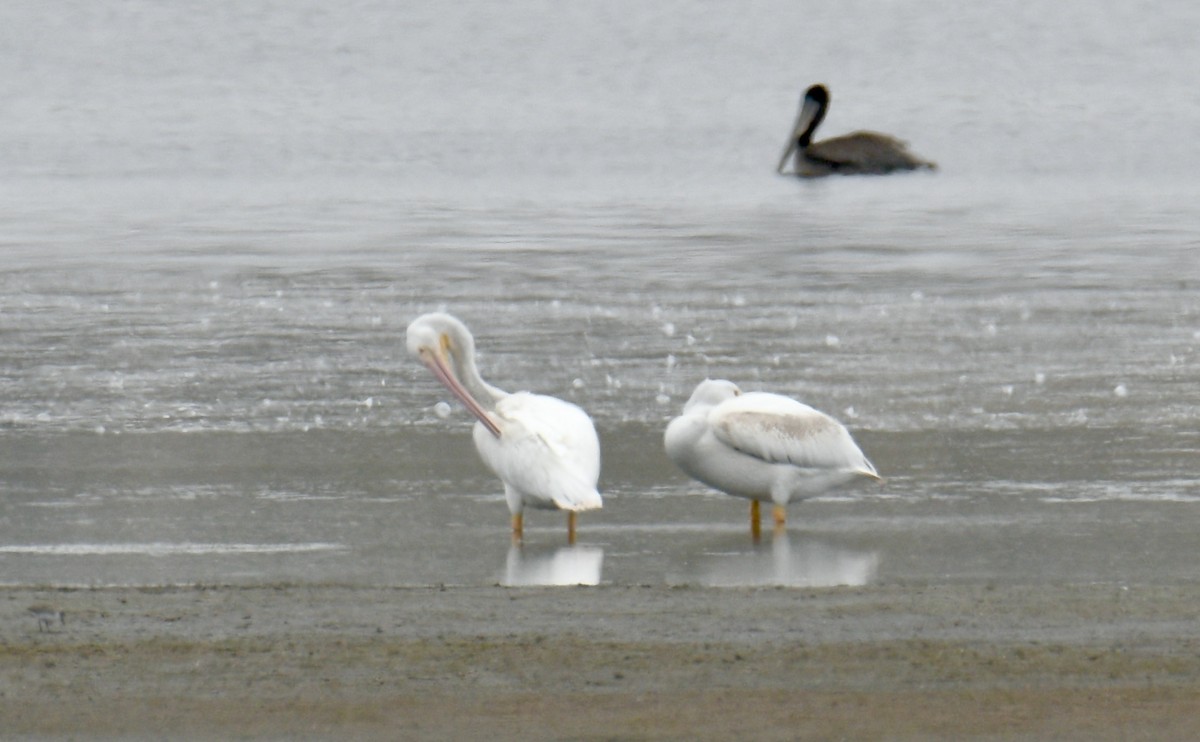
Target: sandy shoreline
883, 662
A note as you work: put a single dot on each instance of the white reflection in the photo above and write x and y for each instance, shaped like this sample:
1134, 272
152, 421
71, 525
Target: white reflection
788, 561
565, 565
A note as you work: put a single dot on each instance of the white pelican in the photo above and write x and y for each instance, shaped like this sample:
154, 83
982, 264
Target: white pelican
762, 446
544, 450
860, 153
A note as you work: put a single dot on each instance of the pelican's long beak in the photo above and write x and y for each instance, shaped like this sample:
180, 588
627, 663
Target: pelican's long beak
793, 143
802, 129
437, 362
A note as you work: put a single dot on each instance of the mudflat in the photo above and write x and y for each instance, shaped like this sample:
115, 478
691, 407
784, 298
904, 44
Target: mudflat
893, 661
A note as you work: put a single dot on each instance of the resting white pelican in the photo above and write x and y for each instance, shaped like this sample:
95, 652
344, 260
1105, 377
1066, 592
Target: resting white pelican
860, 153
762, 446
544, 450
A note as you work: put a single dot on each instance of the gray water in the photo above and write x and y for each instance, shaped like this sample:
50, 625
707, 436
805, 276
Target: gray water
217, 219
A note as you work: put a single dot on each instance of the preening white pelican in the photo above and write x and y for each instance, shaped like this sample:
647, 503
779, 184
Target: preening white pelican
762, 446
544, 450
860, 153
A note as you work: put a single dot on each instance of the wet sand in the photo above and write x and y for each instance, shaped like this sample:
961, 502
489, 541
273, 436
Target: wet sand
881, 662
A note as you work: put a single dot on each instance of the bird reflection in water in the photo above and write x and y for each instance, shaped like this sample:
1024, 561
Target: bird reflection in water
790, 561
565, 565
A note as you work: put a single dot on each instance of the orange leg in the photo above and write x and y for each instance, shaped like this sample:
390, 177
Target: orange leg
518, 528
571, 527
755, 525
780, 514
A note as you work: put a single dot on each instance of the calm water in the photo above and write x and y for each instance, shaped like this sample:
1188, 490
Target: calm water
216, 223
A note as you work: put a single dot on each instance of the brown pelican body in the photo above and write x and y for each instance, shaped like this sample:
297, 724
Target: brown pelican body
860, 153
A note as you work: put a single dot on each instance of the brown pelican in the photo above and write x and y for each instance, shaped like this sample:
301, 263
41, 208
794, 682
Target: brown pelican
860, 153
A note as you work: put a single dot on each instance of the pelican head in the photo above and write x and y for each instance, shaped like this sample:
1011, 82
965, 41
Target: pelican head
812, 111
445, 346
710, 393
439, 335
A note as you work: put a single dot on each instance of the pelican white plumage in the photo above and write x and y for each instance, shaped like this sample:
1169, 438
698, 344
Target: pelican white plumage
543, 449
859, 153
762, 446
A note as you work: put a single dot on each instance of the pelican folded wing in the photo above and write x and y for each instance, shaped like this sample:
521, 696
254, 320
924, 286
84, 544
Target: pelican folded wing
797, 435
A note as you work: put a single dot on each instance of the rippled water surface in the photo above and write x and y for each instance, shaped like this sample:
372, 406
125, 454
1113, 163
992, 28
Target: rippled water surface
217, 224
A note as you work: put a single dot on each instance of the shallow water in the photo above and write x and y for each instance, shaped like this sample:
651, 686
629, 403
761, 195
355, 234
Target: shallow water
216, 229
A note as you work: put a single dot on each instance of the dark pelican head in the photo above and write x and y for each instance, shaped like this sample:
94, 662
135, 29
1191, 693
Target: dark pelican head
812, 112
